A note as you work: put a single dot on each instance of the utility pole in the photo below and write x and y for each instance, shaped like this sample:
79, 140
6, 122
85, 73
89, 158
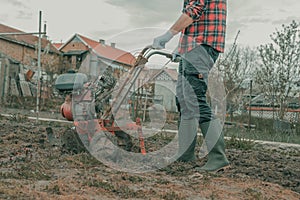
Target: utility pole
250, 101
38, 89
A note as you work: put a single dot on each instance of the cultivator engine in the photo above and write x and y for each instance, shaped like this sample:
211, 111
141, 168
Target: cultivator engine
92, 107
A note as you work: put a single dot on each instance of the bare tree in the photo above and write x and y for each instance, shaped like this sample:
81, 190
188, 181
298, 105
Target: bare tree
236, 66
280, 66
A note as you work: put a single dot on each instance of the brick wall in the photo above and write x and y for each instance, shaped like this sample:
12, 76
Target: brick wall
28, 55
73, 46
13, 50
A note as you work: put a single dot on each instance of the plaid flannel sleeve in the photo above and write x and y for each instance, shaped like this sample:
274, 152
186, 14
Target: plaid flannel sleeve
194, 8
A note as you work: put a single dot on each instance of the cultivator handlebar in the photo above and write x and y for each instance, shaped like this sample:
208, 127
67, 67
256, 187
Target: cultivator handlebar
126, 86
130, 80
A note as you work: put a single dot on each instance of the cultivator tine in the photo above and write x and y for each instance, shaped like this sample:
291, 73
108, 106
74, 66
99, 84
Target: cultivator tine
141, 137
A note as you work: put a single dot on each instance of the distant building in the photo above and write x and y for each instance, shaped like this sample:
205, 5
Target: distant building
23, 48
165, 87
91, 57
18, 55
155, 87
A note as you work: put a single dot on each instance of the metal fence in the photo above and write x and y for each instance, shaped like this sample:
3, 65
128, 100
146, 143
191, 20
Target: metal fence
292, 116
267, 118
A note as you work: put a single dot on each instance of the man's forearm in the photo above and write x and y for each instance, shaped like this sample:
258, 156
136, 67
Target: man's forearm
183, 21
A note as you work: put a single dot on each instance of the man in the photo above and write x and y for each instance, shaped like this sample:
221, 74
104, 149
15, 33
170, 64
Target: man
202, 25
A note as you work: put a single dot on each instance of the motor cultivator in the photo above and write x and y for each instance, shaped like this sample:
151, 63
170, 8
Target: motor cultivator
89, 103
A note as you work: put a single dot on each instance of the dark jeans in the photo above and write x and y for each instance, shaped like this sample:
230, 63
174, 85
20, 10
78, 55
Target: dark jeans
192, 83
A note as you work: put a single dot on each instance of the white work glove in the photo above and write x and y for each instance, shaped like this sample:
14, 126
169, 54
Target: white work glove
160, 41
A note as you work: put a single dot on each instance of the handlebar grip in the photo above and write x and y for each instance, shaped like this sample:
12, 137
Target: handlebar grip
176, 59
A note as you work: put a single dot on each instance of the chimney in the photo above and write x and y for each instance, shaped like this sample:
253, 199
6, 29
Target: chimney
102, 41
113, 44
45, 30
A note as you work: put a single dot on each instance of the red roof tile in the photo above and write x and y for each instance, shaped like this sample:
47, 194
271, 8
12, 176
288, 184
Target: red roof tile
57, 45
109, 52
25, 39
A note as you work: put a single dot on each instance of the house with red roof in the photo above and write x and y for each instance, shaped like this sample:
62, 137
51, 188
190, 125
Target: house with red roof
92, 57
19, 54
22, 47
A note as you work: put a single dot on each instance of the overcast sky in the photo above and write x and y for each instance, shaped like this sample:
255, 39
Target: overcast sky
138, 21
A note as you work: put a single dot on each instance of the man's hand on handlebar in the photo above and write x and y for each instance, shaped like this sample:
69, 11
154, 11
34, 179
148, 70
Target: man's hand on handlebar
160, 41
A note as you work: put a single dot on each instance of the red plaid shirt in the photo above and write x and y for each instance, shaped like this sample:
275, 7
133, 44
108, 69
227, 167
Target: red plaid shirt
209, 24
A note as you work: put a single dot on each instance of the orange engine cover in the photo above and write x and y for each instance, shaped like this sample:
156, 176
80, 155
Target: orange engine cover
66, 110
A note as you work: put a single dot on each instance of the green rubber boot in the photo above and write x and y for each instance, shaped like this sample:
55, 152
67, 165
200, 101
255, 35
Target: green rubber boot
214, 138
187, 136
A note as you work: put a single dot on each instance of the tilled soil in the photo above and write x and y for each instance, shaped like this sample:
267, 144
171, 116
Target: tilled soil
31, 167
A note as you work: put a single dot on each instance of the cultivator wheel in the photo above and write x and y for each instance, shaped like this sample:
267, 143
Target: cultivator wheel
123, 140
72, 142
105, 145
